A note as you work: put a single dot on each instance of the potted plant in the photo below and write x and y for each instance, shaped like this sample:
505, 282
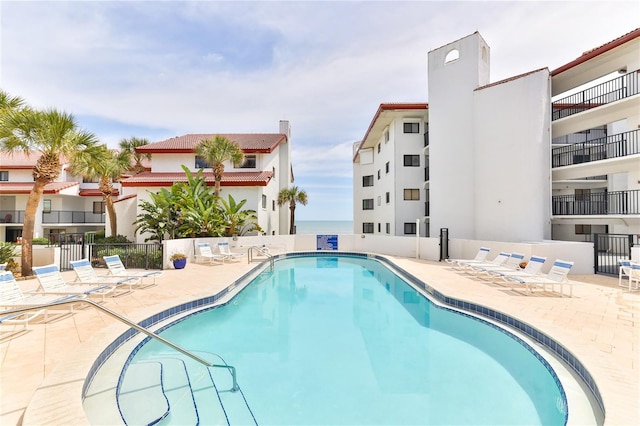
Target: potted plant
179, 260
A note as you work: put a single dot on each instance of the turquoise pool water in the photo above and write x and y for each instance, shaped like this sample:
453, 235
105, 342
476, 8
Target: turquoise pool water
343, 340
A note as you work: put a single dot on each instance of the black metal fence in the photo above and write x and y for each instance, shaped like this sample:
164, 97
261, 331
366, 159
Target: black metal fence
63, 216
136, 256
609, 249
604, 93
613, 146
598, 203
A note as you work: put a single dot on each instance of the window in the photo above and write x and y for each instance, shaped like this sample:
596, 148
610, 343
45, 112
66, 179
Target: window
412, 194
88, 180
386, 167
378, 174
367, 228
412, 161
379, 200
4, 176
367, 204
249, 162
386, 136
410, 228
582, 194
264, 201
273, 205
46, 206
367, 180
201, 163
98, 207
388, 197
583, 229
378, 148
411, 127
273, 170
379, 226
388, 227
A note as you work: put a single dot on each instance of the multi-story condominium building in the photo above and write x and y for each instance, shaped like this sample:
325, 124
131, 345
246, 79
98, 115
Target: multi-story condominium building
265, 171
390, 172
71, 205
533, 157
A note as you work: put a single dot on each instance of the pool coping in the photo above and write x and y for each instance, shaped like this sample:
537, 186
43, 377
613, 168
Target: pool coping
43, 402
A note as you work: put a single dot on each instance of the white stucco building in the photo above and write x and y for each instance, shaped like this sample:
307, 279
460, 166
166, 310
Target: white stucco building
529, 158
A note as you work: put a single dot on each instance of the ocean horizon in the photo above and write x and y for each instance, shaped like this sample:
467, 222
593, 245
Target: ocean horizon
324, 227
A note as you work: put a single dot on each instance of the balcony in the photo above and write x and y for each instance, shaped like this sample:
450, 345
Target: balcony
610, 91
63, 216
614, 146
11, 216
600, 203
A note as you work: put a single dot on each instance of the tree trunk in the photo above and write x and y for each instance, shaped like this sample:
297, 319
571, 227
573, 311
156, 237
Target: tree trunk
292, 227
111, 212
29, 224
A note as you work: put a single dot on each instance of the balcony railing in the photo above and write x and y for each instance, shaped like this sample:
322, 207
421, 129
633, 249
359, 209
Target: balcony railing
426, 139
600, 203
612, 146
11, 216
602, 94
62, 216
426, 208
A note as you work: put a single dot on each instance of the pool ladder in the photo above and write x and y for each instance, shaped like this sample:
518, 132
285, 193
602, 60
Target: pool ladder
263, 251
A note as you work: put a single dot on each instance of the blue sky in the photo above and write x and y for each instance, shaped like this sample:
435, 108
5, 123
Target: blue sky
157, 69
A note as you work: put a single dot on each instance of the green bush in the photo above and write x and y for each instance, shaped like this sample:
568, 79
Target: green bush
7, 252
40, 242
118, 239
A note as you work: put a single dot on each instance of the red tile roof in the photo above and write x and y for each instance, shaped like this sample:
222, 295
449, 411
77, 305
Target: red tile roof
590, 54
18, 160
25, 187
249, 142
228, 179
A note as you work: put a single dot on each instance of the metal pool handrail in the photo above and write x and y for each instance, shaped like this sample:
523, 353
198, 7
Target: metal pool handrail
125, 321
262, 251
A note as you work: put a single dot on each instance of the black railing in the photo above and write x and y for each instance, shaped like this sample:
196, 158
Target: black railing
426, 208
426, 174
11, 216
599, 203
604, 93
613, 146
62, 216
135, 256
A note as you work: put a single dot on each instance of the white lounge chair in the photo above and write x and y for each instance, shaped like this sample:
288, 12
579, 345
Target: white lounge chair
632, 272
52, 282
85, 274
12, 297
480, 257
225, 250
3, 266
117, 269
533, 268
207, 255
474, 267
557, 275
510, 265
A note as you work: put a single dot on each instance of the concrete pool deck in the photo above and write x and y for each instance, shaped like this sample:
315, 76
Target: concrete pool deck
42, 370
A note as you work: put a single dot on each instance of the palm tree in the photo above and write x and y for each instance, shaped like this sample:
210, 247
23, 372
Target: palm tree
53, 134
130, 145
292, 196
107, 165
8, 102
215, 152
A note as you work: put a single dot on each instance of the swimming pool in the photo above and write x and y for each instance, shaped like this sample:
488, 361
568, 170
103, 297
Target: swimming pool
342, 340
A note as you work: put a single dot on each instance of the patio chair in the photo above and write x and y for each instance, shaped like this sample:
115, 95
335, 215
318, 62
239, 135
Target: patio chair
12, 297
480, 257
557, 275
117, 269
534, 265
225, 250
207, 256
511, 264
474, 267
52, 282
85, 274
632, 272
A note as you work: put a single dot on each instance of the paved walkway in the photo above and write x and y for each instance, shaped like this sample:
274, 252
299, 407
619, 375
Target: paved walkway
42, 370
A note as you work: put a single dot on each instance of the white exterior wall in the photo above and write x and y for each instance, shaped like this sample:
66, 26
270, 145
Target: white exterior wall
385, 212
165, 163
408, 177
451, 147
512, 160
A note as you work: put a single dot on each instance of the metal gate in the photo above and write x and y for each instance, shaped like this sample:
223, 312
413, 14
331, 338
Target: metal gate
72, 247
609, 249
